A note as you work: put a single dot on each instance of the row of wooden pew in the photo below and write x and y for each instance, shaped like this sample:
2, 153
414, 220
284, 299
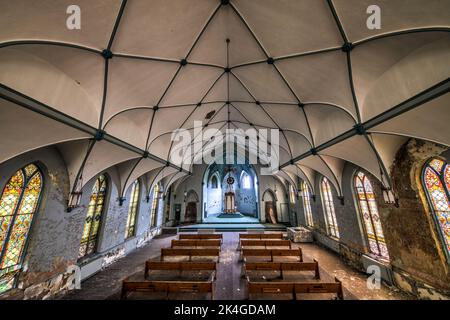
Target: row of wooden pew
272, 267
173, 274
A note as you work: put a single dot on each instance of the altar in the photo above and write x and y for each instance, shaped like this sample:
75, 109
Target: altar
230, 206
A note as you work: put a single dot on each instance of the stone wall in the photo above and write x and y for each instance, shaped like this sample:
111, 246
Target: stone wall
416, 252
418, 265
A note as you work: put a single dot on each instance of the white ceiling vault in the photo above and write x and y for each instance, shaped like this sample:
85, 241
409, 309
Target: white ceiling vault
111, 94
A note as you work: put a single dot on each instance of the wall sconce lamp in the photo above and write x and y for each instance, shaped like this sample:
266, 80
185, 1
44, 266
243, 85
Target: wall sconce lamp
75, 195
74, 200
389, 197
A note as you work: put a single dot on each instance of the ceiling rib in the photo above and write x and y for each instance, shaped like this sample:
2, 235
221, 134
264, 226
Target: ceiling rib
401, 32
286, 83
122, 192
196, 107
337, 20
49, 43
116, 24
104, 95
409, 104
29, 103
183, 62
267, 114
207, 124
360, 128
236, 11
146, 58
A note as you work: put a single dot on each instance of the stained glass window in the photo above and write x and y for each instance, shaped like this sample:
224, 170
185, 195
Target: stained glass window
369, 212
330, 215
214, 183
132, 210
246, 183
18, 204
292, 193
154, 208
93, 218
436, 178
307, 204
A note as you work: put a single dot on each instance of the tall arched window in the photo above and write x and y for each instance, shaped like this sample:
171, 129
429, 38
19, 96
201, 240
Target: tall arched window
132, 210
93, 219
292, 193
436, 180
214, 182
307, 204
245, 181
154, 208
369, 212
330, 215
18, 204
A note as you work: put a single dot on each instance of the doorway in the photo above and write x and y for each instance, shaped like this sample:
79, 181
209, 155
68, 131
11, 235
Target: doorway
191, 212
177, 212
271, 212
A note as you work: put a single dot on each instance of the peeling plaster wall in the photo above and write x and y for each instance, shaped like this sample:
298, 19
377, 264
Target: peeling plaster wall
416, 251
51, 257
352, 242
301, 215
214, 203
46, 255
112, 244
195, 183
271, 183
417, 260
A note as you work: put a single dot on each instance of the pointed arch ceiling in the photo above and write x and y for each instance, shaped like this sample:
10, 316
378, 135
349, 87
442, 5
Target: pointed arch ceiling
138, 69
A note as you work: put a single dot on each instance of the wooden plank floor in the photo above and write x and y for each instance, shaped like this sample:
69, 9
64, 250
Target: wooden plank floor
229, 284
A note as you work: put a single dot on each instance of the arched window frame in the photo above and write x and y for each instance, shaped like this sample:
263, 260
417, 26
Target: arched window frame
444, 179
368, 210
214, 181
306, 197
9, 272
98, 205
246, 181
328, 208
133, 209
291, 194
154, 207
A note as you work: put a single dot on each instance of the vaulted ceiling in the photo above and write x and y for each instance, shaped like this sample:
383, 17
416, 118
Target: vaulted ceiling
112, 93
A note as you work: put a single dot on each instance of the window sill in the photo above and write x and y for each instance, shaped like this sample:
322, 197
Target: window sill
130, 238
88, 259
379, 259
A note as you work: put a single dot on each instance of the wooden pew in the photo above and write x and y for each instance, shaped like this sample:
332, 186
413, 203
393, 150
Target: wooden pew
195, 243
179, 266
201, 236
327, 287
260, 236
272, 253
294, 288
206, 252
265, 243
167, 287
283, 266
